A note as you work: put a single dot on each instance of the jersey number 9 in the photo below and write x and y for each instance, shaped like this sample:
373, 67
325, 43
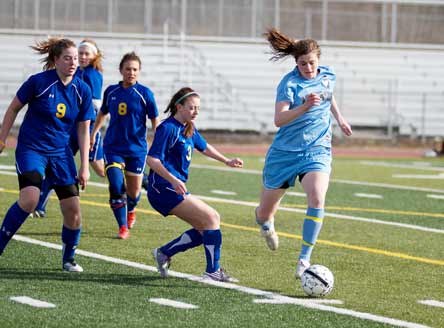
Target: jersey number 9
61, 110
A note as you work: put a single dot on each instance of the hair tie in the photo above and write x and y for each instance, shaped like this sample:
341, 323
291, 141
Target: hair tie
89, 45
184, 96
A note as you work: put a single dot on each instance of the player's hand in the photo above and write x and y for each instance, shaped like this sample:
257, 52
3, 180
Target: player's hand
2, 146
345, 128
235, 162
312, 99
83, 177
92, 139
179, 187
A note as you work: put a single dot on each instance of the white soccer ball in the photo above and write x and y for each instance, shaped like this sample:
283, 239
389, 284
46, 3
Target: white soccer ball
317, 281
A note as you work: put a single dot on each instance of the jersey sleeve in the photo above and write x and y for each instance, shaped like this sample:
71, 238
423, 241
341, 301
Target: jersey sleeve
27, 90
284, 92
104, 108
86, 107
152, 111
160, 142
199, 141
95, 81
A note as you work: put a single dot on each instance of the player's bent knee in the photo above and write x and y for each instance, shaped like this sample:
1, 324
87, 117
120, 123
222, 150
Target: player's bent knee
30, 179
64, 192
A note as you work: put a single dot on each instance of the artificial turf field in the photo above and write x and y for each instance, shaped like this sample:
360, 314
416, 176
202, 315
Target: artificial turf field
382, 238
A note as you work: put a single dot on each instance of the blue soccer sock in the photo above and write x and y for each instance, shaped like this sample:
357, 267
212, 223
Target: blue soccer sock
70, 239
45, 193
189, 239
13, 220
212, 240
310, 231
117, 193
132, 202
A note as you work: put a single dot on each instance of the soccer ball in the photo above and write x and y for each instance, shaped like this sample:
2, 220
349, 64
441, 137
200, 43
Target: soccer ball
317, 281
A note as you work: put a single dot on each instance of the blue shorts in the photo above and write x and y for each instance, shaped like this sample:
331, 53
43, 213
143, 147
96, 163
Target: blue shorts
95, 153
133, 165
162, 197
283, 167
60, 169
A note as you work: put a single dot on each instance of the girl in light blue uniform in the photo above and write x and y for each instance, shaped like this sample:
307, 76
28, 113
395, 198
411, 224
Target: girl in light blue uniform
57, 103
169, 159
302, 146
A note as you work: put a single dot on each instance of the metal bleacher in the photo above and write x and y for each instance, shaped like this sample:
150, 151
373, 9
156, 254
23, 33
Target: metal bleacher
393, 88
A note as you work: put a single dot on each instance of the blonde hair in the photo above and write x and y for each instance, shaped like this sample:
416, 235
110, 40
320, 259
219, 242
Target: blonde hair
96, 62
54, 47
282, 46
180, 97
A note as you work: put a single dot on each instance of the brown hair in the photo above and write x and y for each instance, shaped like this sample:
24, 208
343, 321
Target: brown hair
283, 46
128, 57
54, 47
96, 62
180, 97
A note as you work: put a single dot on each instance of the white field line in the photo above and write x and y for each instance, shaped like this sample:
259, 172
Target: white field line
295, 193
251, 291
7, 167
32, 302
223, 192
296, 210
362, 195
402, 166
172, 303
352, 182
432, 303
281, 300
419, 176
436, 196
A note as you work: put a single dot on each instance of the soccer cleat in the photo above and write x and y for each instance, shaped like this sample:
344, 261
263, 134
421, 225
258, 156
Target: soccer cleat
72, 266
271, 237
131, 218
123, 233
162, 261
301, 267
219, 275
38, 214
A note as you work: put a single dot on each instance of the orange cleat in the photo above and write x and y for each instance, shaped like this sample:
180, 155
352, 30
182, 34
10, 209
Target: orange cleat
123, 233
131, 218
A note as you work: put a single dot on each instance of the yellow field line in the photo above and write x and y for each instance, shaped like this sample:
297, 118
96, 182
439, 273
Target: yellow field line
292, 236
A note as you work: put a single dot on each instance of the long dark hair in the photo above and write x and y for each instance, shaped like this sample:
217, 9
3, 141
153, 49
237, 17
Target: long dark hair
54, 47
180, 97
128, 57
282, 46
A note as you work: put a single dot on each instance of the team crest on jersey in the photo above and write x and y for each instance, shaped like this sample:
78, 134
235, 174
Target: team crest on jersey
325, 81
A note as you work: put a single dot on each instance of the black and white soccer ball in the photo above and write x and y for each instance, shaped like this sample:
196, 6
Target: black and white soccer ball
317, 281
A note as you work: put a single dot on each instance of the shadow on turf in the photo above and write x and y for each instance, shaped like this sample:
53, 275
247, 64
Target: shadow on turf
105, 278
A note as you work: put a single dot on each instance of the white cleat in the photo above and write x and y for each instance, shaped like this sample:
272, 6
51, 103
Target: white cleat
220, 275
271, 238
300, 268
162, 262
72, 266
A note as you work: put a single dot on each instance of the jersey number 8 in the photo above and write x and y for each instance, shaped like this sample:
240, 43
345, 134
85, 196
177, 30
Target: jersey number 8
122, 108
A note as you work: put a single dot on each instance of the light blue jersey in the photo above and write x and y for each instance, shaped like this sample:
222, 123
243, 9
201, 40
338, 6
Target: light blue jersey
313, 128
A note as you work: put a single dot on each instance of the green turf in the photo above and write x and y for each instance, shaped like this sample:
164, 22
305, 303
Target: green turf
379, 269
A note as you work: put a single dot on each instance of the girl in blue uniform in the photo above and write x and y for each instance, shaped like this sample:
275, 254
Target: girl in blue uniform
129, 104
57, 102
90, 71
302, 146
169, 159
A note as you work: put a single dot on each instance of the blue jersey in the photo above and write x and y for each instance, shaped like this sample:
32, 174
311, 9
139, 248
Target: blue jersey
129, 108
53, 110
313, 128
175, 150
93, 78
